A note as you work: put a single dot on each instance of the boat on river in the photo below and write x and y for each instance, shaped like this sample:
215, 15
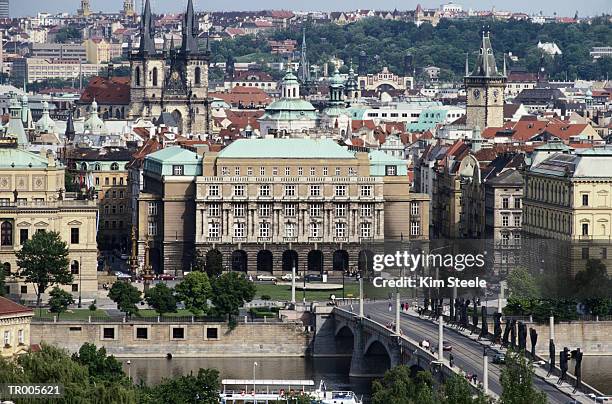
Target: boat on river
245, 391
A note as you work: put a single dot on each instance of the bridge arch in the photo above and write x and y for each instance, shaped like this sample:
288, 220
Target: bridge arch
376, 357
344, 340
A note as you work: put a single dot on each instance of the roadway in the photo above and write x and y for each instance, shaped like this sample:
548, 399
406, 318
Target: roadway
467, 353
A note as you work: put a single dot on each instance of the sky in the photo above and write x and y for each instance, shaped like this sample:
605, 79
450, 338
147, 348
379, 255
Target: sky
20, 8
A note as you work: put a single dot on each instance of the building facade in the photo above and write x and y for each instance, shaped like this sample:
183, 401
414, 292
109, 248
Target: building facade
271, 204
32, 199
567, 199
14, 328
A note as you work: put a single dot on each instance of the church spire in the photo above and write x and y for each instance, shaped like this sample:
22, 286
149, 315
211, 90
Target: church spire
485, 63
304, 68
147, 33
190, 30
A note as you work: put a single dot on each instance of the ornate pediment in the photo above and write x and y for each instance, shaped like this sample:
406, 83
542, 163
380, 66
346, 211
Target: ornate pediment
74, 223
24, 224
41, 224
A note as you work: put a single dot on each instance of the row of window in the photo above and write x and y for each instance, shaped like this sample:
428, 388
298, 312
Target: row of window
8, 341
6, 234
291, 190
113, 224
506, 220
506, 202
97, 167
315, 229
143, 333
225, 171
107, 181
290, 209
393, 114
112, 209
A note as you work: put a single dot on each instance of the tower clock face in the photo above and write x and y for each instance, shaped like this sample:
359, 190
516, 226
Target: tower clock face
477, 94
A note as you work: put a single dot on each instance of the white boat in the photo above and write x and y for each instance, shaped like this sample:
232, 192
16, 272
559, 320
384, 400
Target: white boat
278, 391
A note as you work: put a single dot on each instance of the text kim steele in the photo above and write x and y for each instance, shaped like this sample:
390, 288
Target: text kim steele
428, 282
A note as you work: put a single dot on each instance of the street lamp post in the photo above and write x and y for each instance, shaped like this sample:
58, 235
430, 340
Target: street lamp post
441, 338
254, 366
293, 284
485, 371
80, 279
129, 364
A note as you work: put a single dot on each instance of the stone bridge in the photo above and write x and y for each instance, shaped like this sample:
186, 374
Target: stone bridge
372, 346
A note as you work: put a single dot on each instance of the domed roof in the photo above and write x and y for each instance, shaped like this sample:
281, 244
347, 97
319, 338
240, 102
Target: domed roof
290, 78
94, 124
293, 104
336, 80
45, 124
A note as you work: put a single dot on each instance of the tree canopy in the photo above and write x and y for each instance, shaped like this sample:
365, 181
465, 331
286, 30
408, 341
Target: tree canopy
161, 298
194, 291
43, 261
517, 382
229, 292
59, 300
126, 296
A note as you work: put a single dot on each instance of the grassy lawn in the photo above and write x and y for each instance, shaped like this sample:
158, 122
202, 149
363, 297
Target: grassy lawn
153, 313
283, 292
72, 314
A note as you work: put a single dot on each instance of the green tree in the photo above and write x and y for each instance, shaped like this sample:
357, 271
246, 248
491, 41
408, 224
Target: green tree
202, 388
229, 292
161, 298
522, 284
126, 296
99, 365
199, 261
68, 34
43, 261
194, 291
457, 390
397, 387
214, 263
59, 300
517, 382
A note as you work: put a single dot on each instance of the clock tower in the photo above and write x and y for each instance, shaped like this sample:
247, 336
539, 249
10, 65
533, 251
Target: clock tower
485, 87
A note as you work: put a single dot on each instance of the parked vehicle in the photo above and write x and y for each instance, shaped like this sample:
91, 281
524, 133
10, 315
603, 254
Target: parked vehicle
499, 359
266, 278
121, 275
287, 277
313, 278
165, 277
124, 256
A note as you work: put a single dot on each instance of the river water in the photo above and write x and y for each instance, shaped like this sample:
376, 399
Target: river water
596, 371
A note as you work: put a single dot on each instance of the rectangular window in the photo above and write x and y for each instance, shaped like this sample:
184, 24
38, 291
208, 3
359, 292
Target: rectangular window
224, 171
585, 229
20, 337
415, 228
7, 338
366, 230
265, 209
340, 190
290, 209
289, 190
341, 209
74, 235
505, 238
366, 190
517, 203
262, 171
152, 208
315, 210
366, 210
213, 190
239, 229
106, 181
315, 190
152, 229
312, 171
177, 169
97, 181
23, 236
414, 208
24, 289
142, 333
237, 171
287, 170
505, 203
337, 171
340, 229
249, 170
108, 333
214, 229
324, 170
239, 210
315, 230
214, 210
517, 220
75, 287
289, 229
585, 200
178, 333
505, 220
604, 253
275, 171
264, 229
212, 333
264, 190
300, 171
238, 190
390, 170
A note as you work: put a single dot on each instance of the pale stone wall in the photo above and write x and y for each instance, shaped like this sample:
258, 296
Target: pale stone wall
252, 339
593, 338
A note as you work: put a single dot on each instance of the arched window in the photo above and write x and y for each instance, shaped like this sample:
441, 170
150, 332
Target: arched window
84, 166
6, 233
74, 267
115, 167
137, 76
155, 77
198, 74
97, 167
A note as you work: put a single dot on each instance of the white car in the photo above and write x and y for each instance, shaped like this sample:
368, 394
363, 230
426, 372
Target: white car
121, 275
266, 278
287, 277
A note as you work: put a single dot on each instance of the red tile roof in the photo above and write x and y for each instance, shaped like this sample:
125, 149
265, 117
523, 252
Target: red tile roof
9, 307
244, 96
113, 91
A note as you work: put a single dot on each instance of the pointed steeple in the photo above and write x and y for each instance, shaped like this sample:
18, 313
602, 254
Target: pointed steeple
190, 30
485, 63
147, 31
69, 133
304, 68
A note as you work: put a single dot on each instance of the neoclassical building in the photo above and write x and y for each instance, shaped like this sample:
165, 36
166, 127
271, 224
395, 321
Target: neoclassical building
270, 204
173, 81
568, 199
33, 199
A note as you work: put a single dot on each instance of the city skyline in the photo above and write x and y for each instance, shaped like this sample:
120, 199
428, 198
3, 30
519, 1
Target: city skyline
548, 7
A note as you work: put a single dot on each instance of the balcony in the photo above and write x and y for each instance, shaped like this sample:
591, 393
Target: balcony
290, 239
264, 239
366, 239
585, 237
341, 239
213, 239
239, 239
315, 239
